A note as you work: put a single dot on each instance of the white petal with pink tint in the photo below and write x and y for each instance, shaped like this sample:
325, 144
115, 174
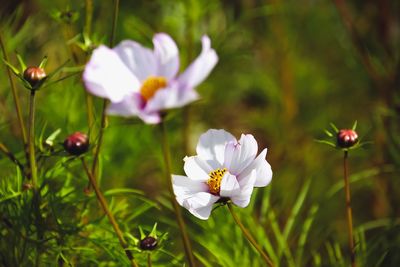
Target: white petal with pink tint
246, 189
211, 146
201, 67
106, 76
167, 55
229, 186
171, 97
140, 60
200, 204
262, 168
196, 169
240, 154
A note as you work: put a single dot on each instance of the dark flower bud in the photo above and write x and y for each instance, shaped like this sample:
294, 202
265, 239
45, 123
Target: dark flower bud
347, 138
148, 243
76, 144
34, 75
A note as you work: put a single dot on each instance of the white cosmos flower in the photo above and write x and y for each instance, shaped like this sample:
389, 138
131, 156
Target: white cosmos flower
223, 168
142, 82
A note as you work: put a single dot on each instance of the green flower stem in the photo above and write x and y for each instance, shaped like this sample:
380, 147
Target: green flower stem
11, 156
149, 260
88, 31
15, 96
348, 209
88, 17
186, 111
186, 128
249, 237
111, 218
178, 214
31, 145
105, 102
114, 23
34, 178
103, 125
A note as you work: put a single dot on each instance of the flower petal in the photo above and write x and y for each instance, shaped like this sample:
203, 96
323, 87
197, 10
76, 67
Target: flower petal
106, 76
239, 155
200, 204
229, 186
262, 168
167, 55
201, 67
184, 187
196, 168
128, 107
171, 97
140, 60
131, 106
246, 189
211, 147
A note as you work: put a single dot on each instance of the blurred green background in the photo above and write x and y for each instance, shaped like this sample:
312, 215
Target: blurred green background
286, 70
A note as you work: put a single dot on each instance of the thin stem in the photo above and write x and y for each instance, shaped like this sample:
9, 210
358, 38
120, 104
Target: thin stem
88, 31
88, 17
31, 130
149, 260
15, 95
114, 23
178, 214
33, 170
186, 129
11, 156
104, 205
189, 48
348, 209
103, 125
105, 102
249, 237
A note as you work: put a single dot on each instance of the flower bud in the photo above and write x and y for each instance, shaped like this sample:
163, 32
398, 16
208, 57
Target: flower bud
148, 243
76, 144
347, 138
33, 75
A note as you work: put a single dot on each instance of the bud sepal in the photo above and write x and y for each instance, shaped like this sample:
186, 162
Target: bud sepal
343, 139
34, 77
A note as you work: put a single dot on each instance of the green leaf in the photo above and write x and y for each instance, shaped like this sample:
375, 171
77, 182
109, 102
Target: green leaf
296, 209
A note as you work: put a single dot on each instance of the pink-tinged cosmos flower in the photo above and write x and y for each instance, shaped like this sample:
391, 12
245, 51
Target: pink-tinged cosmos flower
142, 82
223, 168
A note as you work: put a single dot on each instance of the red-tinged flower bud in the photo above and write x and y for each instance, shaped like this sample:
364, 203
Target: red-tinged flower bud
76, 144
347, 138
34, 75
148, 243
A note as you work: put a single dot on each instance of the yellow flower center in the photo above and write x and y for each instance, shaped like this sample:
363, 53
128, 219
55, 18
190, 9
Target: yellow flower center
214, 182
151, 85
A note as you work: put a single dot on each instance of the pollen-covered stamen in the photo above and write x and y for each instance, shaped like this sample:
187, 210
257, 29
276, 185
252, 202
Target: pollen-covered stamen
214, 182
151, 85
